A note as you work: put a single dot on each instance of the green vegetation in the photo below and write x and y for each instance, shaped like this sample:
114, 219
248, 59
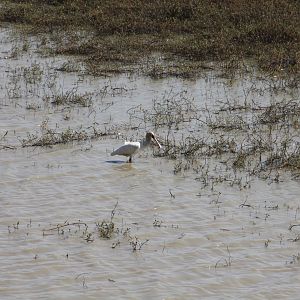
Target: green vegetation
112, 34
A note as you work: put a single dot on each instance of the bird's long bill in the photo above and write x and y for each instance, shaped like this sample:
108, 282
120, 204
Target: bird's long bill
156, 142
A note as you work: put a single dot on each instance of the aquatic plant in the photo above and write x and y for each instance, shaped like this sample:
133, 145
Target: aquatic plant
231, 138
50, 137
136, 243
70, 98
106, 229
124, 33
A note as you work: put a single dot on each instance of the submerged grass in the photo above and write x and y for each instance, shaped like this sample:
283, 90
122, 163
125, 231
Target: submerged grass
49, 137
70, 98
125, 32
231, 142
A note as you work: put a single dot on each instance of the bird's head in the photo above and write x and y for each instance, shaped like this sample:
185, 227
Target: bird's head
151, 137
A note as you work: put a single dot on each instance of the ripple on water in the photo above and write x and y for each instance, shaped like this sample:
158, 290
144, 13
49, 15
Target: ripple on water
203, 243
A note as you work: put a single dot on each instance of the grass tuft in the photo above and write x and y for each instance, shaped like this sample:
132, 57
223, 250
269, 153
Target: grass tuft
267, 33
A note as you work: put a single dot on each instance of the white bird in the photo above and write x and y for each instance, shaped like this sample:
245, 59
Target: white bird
131, 148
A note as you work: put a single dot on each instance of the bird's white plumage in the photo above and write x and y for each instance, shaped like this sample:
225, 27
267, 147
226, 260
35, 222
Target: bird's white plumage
131, 148
127, 149
135, 144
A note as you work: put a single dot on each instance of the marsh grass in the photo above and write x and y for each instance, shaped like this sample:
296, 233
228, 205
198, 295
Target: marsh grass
49, 137
122, 33
33, 106
231, 142
33, 74
103, 230
69, 67
70, 98
173, 110
106, 229
136, 243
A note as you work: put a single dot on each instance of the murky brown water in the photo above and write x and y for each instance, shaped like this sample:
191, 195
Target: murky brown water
201, 243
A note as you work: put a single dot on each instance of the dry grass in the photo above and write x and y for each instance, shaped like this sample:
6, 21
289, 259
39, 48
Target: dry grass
49, 137
231, 142
70, 98
124, 32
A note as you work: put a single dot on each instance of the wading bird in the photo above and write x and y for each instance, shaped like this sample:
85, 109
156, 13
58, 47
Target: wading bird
131, 148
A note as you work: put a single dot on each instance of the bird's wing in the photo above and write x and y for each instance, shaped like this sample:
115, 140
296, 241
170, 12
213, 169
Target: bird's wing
128, 149
135, 144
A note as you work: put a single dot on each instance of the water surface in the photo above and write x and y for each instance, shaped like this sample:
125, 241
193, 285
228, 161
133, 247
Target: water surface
201, 243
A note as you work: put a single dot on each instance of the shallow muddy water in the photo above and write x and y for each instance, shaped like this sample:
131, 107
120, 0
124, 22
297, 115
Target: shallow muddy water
173, 238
